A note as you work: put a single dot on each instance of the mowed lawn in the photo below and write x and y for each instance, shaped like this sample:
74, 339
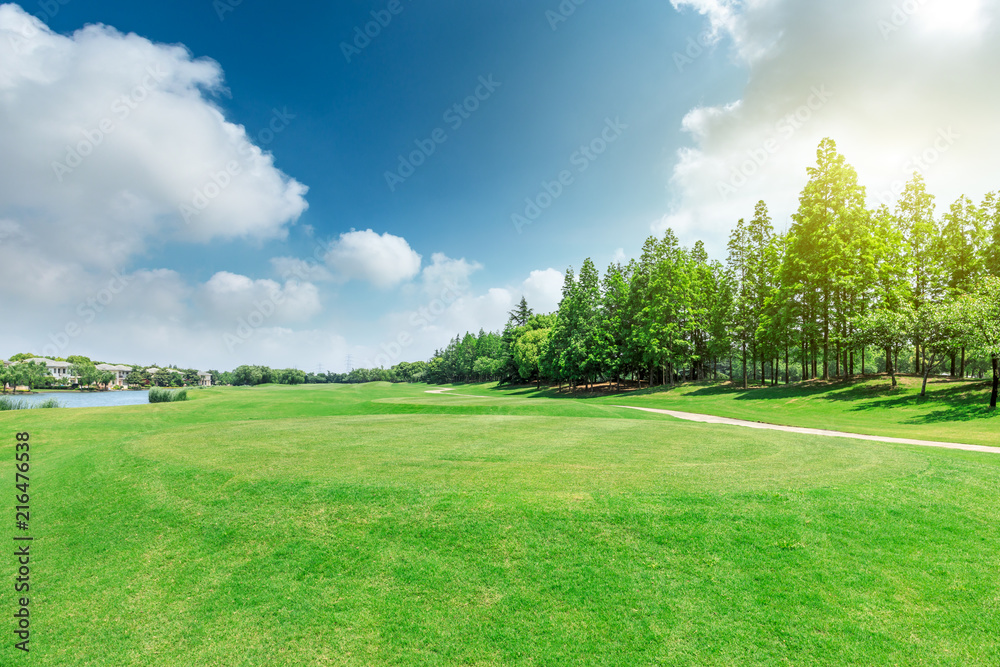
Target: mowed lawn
952, 411
378, 524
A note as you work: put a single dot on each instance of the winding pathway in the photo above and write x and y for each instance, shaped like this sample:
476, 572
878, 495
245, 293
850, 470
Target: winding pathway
710, 419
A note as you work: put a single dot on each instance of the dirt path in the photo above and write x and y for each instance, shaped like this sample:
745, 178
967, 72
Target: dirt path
710, 419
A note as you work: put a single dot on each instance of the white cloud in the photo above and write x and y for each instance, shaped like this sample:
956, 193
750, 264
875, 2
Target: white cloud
230, 296
293, 267
885, 95
382, 260
543, 290
145, 315
105, 136
720, 13
445, 273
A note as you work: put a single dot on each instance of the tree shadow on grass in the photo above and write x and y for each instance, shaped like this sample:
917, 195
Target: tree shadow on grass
806, 389
960, 400
964, 401
955, 414
578, 394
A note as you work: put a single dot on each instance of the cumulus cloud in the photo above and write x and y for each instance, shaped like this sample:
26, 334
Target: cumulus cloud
543, 290
109, 140
899, 90
445, 273
229, 296
112, 144
382, 260
141, 315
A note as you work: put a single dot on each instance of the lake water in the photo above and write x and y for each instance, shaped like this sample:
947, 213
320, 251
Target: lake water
89, 399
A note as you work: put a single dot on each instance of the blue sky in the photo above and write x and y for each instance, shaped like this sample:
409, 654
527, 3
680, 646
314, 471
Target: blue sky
352, 119
694, 88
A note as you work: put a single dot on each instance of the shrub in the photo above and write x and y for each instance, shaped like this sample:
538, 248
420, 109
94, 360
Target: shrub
21, 404
12, 403
157, 395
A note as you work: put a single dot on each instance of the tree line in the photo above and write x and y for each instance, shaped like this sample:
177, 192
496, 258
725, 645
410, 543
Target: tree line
844, 289
83, 372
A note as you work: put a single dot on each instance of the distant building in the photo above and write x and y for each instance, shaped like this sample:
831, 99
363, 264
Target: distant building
121, 373
58, 369
62, 370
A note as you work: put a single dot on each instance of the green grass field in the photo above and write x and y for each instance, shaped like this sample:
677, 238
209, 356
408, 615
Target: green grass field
378, 524
952, 411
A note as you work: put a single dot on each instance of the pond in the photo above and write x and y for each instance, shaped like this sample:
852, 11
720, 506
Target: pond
88, 399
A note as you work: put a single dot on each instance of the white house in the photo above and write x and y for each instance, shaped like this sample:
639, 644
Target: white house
57, 369
121, 373
204, 379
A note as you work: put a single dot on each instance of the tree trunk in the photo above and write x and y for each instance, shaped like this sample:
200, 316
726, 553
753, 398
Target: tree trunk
744, 366
826, 346
996, 382
926, 367
962, 371
786, 363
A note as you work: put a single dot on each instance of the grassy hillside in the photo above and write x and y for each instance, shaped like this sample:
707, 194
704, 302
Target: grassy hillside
380, 524
952, 411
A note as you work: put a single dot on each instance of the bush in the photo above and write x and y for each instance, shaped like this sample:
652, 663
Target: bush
21, 404
157, 395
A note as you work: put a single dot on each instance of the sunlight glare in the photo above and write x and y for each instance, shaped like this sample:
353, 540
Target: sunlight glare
956, 16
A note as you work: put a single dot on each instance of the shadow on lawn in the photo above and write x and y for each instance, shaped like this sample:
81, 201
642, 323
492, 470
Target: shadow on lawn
960, 400
964, 401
